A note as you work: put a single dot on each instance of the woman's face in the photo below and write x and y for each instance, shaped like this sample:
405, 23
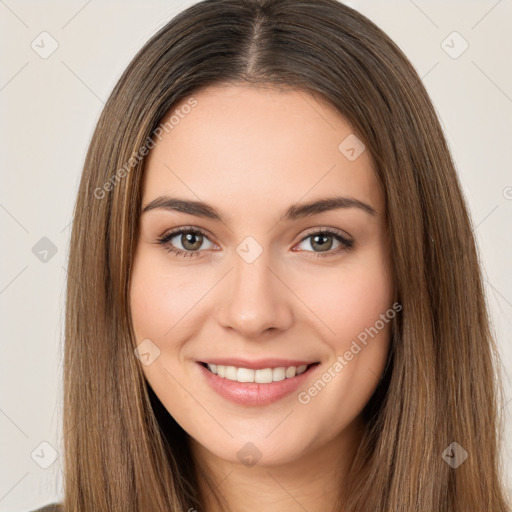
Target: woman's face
259, 284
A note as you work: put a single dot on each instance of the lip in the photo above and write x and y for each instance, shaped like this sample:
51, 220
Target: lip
253, 393
257, 364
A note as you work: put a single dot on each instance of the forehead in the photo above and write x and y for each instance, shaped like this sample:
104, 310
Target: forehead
249, 149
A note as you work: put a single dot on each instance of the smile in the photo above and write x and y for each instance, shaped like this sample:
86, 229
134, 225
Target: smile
261, 376
255, 387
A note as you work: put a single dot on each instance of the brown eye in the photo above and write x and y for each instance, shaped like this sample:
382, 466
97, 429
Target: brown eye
190, 241
322, 243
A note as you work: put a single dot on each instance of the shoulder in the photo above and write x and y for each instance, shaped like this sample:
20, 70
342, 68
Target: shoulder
53, 507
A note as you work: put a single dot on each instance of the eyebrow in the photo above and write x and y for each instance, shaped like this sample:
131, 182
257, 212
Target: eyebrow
294, 212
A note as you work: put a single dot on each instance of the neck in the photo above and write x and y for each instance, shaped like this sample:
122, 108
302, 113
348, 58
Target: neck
312, 481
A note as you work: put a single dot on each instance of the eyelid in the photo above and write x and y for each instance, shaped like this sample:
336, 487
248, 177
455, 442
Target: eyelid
346, 240
169, 234
325, 229
307, 233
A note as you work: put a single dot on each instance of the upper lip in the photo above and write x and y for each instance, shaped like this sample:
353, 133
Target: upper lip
257, 364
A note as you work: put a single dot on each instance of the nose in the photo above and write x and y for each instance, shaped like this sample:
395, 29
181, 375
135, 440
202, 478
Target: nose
255, 298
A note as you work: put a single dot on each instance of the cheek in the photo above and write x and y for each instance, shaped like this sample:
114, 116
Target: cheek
160, 299
359, 312
348, 300
150, 306
161, 303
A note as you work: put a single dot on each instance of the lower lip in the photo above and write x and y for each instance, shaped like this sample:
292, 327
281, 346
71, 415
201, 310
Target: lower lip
253, 393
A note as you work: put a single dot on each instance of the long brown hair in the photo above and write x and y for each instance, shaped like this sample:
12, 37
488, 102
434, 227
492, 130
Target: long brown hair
123, 450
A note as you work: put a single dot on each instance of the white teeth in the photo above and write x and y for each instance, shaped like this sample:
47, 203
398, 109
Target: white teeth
290, 372
301, 369
278, 374
231, 372
263, 376
244, 375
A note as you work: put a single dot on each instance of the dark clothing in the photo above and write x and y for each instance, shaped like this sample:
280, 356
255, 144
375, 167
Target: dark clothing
54, 507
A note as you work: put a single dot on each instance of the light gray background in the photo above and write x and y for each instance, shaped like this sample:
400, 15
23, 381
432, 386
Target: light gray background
49, 109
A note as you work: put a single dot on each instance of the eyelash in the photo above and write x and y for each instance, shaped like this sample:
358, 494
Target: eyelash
346, 244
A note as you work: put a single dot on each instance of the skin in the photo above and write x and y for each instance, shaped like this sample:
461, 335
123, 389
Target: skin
251, 153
